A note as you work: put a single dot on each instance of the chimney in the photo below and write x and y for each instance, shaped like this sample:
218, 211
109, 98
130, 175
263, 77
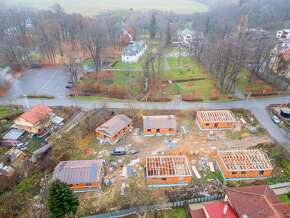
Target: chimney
225, 209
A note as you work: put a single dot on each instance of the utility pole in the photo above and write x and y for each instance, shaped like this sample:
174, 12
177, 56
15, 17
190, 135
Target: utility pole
76, 100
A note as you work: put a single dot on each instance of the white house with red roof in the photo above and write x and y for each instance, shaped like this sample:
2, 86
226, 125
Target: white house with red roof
280, 60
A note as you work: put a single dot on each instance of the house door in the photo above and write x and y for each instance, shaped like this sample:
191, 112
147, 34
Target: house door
216, 125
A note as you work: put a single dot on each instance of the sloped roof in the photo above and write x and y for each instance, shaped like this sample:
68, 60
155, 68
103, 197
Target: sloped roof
216, 210
133, 48
159, 122
79, 171
185, 32
199, 213
114, 125
35, 114
257, 201
216, 116
284, 51
13, 134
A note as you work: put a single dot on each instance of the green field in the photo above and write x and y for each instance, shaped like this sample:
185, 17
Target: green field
94, 7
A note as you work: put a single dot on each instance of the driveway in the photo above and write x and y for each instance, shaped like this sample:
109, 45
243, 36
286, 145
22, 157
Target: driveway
46, 81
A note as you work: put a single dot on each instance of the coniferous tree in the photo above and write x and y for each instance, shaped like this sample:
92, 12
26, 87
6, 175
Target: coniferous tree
168, 34
61, 200
152, 29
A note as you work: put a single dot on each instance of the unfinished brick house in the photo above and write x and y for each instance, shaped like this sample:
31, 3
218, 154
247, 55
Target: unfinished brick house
244, 164
159, 125
80, 175
114, 129
164, 171
215, 119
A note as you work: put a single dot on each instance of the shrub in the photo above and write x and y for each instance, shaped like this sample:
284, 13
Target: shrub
3, 121
214, 96
229, 96
210, 78
191, 97
248, 86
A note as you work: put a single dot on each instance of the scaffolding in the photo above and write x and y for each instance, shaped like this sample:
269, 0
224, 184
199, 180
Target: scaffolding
167, 166
216, 116
245, 160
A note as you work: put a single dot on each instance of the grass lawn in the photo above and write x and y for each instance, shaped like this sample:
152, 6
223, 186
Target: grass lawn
173, 62
94, 7
175, 212
243, 80
4, 149
284, 198
121, 65
5, 110
34, 145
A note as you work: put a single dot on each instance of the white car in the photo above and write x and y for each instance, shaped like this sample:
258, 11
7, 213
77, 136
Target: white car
275, 119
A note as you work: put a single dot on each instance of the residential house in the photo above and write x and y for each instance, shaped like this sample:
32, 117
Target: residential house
256, 201
134, 51
12, 137
164, 171
243, 164
15, 153
80, 175
215, 119
280, 61
114, 129
34, 119
186, 36
159, 125
283, 34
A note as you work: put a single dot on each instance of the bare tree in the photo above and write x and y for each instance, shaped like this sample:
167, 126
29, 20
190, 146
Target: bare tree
72, 68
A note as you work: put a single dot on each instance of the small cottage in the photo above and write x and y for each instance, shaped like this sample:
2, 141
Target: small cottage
134, 51
159, 125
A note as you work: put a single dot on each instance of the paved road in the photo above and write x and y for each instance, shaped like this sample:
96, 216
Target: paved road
49, 81
257, 107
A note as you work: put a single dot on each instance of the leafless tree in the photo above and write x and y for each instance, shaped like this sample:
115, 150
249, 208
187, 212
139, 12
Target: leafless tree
72, 68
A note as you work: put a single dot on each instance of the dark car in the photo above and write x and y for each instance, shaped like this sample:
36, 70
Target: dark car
134, 151
68, 86
119, 151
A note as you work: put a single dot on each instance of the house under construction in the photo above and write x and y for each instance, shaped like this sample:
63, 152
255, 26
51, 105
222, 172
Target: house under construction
164, 171
215, 119
244, 164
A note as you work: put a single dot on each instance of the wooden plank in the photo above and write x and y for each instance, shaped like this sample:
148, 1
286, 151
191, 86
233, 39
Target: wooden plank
211, 167
196, 172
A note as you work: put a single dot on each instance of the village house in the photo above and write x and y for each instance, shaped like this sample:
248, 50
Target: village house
283, 34
243, 164
257, 201
80, 175
164, 171
12, 137
159, 125
114, 129
215, 119
34, 119
186, 36
280, 61
134, 51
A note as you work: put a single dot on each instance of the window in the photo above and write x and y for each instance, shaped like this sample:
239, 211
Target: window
154, 179
148, 130
163, 179
261, 173
170, 129
216, 125
207, 124
88, 184
244, 172
157, 130
234, 173
70, 185
229, 124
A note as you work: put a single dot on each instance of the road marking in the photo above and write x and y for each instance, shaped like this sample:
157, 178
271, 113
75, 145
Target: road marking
47, 82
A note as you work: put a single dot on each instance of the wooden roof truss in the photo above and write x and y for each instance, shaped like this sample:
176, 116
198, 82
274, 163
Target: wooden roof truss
167, 166
245, 160
216, 116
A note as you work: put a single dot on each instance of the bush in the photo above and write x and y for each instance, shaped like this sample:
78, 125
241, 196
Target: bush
214, 96
191, 97
3, 121
158, 97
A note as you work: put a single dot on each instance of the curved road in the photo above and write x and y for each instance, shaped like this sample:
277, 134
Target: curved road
256, 106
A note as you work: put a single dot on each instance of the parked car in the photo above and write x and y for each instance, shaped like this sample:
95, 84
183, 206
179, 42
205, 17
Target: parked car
70, 82
119, 151
53, 129
68, 86
22, 145
275, 119
134, 151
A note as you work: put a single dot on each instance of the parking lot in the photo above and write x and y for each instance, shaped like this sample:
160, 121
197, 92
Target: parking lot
42, 81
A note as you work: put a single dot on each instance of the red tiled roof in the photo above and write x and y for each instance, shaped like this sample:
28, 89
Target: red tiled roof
257, 201
216, 210
284, 51
35, 114
114, 125
199, 213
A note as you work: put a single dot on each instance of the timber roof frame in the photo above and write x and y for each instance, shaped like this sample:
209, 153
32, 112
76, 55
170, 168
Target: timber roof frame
167, 166
216, 116
245, 160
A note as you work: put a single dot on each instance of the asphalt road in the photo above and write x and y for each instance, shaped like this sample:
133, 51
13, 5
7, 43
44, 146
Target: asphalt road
49, 81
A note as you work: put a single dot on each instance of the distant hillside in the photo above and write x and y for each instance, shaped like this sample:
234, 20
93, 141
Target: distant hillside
94, 7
